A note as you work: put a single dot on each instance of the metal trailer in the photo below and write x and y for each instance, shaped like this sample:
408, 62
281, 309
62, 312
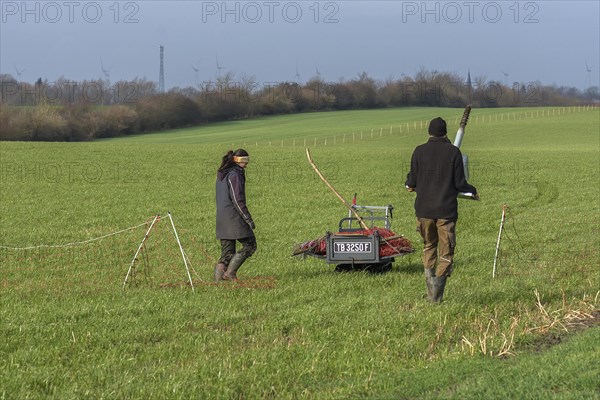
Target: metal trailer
358, 251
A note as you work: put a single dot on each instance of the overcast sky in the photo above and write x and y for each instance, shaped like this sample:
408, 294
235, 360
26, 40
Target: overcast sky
274, 41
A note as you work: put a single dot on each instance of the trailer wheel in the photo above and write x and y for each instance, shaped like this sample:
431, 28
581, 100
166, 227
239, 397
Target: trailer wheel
381, 268
343, 268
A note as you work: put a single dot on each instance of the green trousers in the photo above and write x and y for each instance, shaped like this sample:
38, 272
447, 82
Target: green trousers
439, 240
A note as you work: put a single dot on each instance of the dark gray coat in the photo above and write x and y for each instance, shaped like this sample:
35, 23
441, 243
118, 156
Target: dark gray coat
233, 218
437, 175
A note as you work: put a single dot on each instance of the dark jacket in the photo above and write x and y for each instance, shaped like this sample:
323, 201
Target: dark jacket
437, 175
233, 218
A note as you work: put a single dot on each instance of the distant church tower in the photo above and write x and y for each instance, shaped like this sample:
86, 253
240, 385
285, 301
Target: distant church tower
161, 75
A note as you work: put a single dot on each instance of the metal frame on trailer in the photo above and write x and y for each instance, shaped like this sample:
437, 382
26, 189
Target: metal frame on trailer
348, 248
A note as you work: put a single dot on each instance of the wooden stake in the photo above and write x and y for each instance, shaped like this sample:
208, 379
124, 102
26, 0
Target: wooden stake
187, 268
504, 207
358, 218
156, 218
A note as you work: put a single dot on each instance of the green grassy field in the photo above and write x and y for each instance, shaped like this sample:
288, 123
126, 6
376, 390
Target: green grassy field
294, 328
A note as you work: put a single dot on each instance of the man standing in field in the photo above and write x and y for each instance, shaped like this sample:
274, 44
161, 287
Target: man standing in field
437, 176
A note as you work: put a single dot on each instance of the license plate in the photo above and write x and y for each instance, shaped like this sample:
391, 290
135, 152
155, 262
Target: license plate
352, 247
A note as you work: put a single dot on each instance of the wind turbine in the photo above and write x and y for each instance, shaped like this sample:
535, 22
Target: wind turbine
196, 70
219, 68
18, 72
297, 76
505, 77
318, 72
105, 71
589, 71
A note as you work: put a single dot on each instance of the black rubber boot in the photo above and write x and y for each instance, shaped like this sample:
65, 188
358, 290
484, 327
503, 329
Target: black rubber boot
429, 273
236, 262
437, 288
220, 269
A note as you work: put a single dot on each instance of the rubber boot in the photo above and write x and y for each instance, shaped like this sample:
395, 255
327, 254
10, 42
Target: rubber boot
220, 269
236, 262
437, 288
429, 273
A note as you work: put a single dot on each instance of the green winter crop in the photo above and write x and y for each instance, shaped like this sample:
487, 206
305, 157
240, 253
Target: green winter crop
294, 328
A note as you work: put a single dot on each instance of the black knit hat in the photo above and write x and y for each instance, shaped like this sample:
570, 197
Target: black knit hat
437, 127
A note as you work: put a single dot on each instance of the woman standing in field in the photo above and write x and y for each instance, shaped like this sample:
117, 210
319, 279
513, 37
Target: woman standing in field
234, 221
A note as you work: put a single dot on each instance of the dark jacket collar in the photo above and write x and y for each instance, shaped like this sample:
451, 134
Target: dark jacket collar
439, 139
222, 174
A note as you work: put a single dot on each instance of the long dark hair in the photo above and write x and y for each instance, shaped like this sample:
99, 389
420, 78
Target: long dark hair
227, 160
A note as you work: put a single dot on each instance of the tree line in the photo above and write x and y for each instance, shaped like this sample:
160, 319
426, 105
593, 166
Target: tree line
78, 111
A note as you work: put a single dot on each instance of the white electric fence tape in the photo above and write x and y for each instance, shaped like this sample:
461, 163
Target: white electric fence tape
72, 243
